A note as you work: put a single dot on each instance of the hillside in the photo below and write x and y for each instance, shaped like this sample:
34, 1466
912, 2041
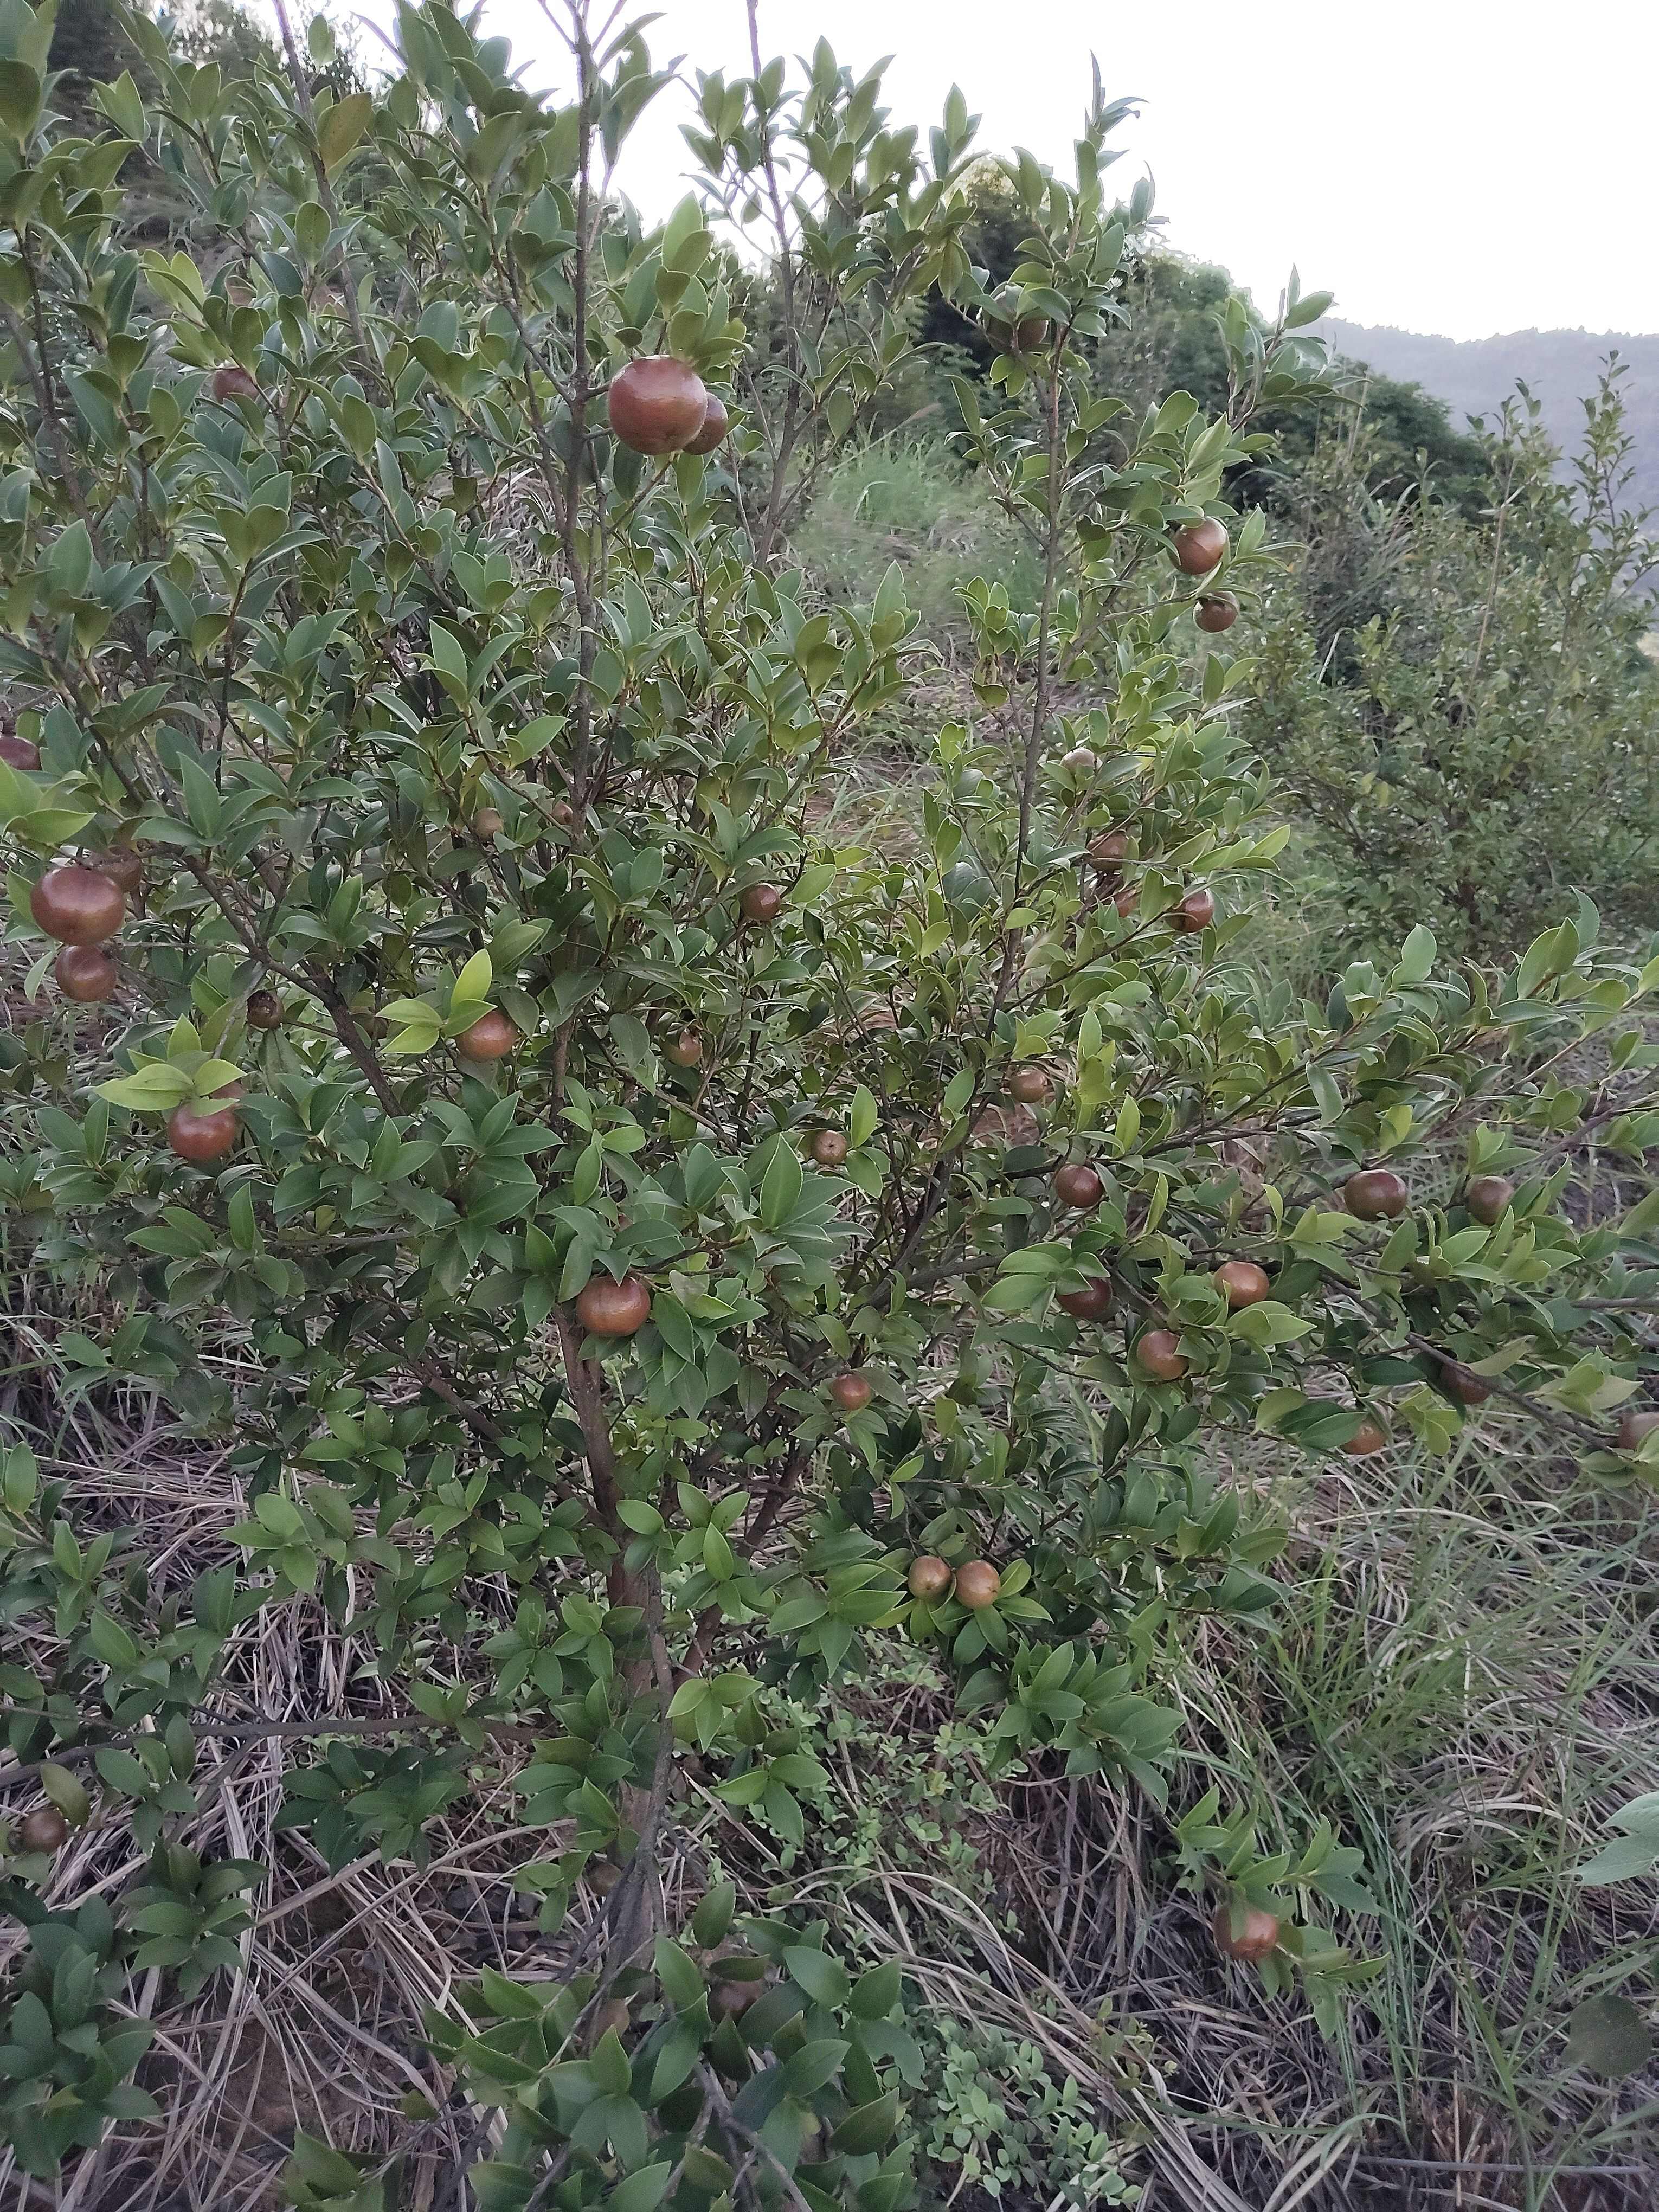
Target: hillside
1473, 376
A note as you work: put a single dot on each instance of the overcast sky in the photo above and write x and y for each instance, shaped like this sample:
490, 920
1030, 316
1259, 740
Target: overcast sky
1463, 166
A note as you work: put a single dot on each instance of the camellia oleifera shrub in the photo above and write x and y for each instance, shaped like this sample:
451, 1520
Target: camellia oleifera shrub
664, 1251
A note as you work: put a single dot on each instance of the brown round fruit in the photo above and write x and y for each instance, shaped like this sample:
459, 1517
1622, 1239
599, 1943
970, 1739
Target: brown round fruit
715, 424
1030, 1087
84, 973
762, 903
1216, 611
123, 867
1241, 1283
1159, 1352
1077, 1184
657, 404
1127, 903
829, 1147
1199, 546
265, 1011
604, 1874
563, 813
1633, 1426
1195, 912
77, 905
851, 1392
607, 1308
728, 1999
1374, 1194
1256, 1937
488, 822
231, 382
1489, 1198
1110, 850
977, 1585
929, 1578
1092, 1303
610, 2019
44, 1830
1370, 1436
200, 1137
18, 752
1461, 1382
1081, 761
492, 1037
684, 1049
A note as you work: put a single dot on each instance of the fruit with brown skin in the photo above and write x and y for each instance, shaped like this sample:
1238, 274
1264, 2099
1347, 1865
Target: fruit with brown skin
1030, 1086
1080, 760
1199, 546
233, 381
1195, 912
611, 2018
977, 1585
77, 905
43, 1829
1255, 1937
1111, 848
683, 1048
657, 404
1370, 1436
1159, 1352
1077, 1184
1216, 611
728, 1999
84, 973
1489, 1198
829, 1147
563, 813
488, 822
929, 1577
1633, 1425
1007, 328
265, 1011
199, 1136
1461, 1382
715, 424
1127, 903
1241, 1283
762, 903
607, 1308
604, 1874
492, 1037
852, 1392
1374, 1194
18, 752
123, 867
1092, 1303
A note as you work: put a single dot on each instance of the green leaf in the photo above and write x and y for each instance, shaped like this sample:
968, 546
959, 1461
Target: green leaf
343, 126
642, 2191
781, 1185
867, 2127
824, 1980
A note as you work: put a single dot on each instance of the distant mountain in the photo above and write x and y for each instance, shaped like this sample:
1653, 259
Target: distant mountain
1473, 376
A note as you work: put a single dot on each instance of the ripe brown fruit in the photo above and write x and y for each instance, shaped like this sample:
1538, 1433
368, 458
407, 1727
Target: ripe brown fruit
123, 867
611, 2018
829, 1147
602, 1875
1257, 1935
231, 382
1006, 327
77, 905
1200, 545
1461, 1382
1370, 1436
44, 1830
684, 1049
488, 822
1078, 1184
1111, 848
977, 1585
607, 1308
1489, 1198
1633, 1425
563, 813
1374, 1194
762, 903
929, 1577
851, 1392
492, 1037
1127, 903
1195, 912
1092, 1303
715, 424
200, 1137
1030, 1086
728, 1999
1159, 1352
657, 404
1241, 1283
18, 752
265, 1011
84, 973
1216, 611
1080, 760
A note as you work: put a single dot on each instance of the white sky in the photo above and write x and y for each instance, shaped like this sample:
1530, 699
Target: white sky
1463, 166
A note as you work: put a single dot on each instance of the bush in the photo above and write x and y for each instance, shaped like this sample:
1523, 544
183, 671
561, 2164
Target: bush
621, 1240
